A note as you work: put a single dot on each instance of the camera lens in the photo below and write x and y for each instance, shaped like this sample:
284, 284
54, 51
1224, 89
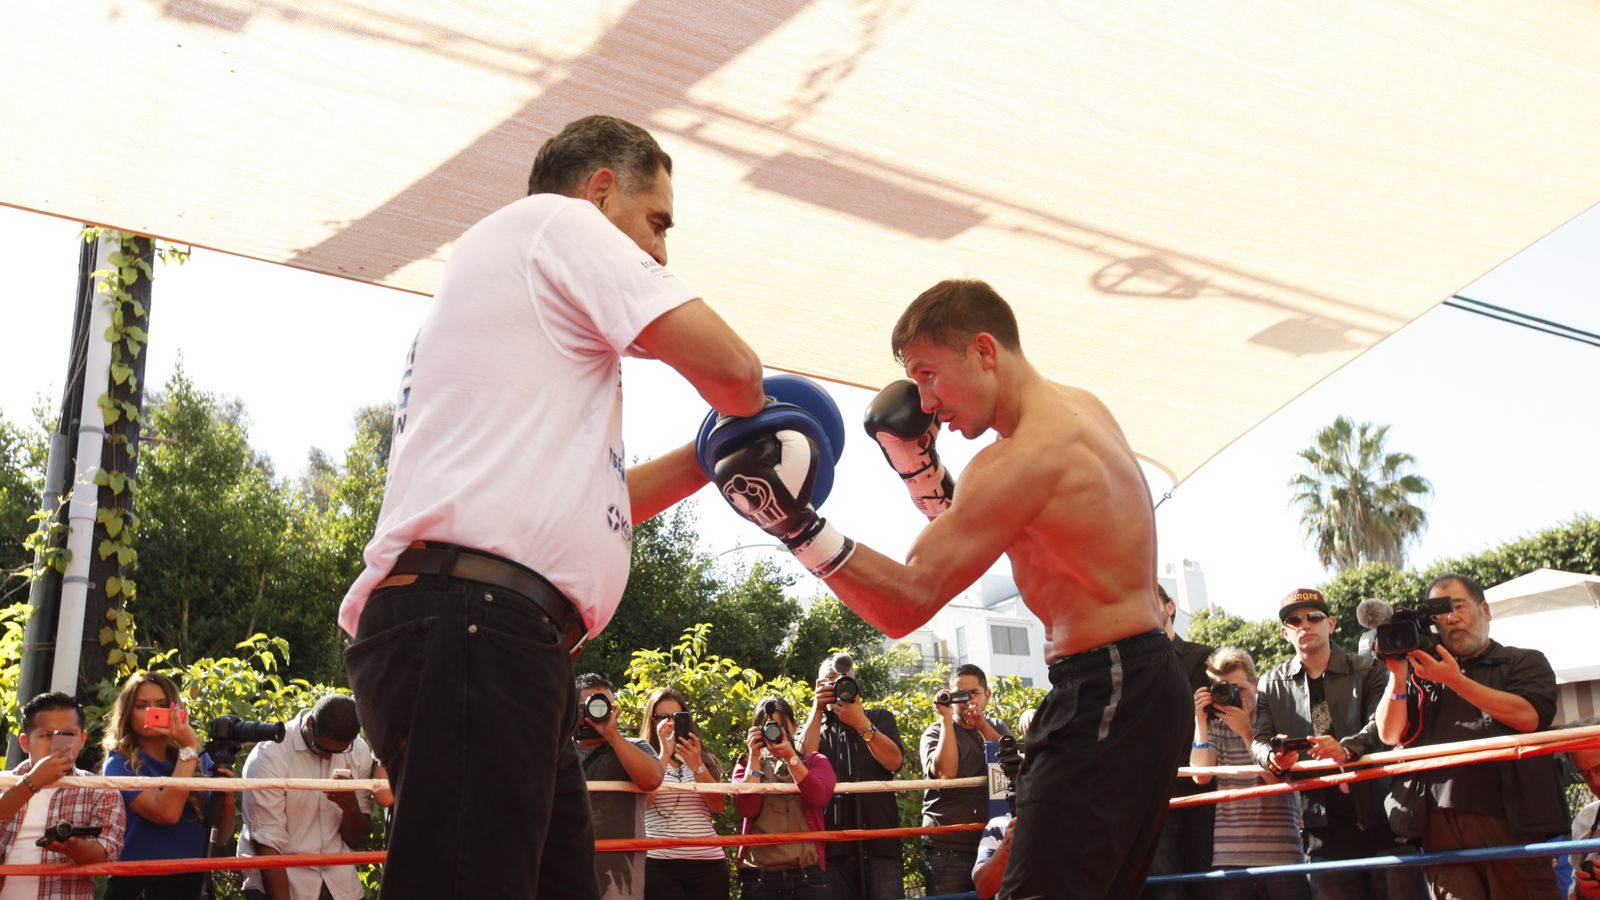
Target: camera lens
597, 707
846, 689
772, 732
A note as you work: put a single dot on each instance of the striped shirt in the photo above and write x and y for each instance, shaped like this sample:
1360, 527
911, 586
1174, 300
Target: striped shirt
1257, 831
679, 814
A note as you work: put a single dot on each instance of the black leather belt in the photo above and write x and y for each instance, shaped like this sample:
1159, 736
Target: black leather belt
453, 561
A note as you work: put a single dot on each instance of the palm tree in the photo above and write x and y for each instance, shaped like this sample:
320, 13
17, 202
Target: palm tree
1357, 501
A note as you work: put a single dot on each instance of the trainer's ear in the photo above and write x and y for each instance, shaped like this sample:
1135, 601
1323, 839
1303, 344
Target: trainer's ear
601, 188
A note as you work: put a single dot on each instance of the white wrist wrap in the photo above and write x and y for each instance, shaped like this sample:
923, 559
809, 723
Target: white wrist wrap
825, 552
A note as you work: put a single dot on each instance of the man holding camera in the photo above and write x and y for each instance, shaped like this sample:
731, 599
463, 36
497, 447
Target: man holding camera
1472, 687
322, 742
44, 824
863, 745
1329, 698
953, 748
608, 755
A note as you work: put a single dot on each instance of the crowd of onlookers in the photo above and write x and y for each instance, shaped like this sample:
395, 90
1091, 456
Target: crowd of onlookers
1326, 703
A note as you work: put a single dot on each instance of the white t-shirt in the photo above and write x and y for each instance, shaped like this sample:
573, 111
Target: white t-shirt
508, 427
25, 849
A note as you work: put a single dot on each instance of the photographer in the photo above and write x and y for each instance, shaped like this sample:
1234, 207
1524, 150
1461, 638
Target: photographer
1474, 688
681, 873
781, 871
994, 846
1329, 697
322, 742
1253, 831
608, 755
953, 748
32, 810
1586, 825
163, 823
863, 745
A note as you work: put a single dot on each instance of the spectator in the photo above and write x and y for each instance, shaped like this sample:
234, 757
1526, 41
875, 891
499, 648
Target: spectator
681, 873
168, 822
994, 847
781, 871
322, 742
1331, 697
862, 745
953, 748
1473, 687
1586, 825
1256, 831
53, 736
1185, 842
606, 755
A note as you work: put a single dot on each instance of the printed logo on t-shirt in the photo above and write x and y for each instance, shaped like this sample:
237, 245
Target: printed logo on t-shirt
620, 524
655, 268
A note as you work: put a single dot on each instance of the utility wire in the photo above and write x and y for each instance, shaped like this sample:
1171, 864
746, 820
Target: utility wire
1513, 317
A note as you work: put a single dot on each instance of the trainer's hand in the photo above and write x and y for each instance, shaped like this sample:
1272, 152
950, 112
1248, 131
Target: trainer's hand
906, 436
768, 480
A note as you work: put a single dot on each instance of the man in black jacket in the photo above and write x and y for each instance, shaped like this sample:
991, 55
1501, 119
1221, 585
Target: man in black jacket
1186, 836
1472, 687
1330, 697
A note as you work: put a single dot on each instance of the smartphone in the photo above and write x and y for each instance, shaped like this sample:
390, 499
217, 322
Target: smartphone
341, 773
59, 742
163, 717
682, 724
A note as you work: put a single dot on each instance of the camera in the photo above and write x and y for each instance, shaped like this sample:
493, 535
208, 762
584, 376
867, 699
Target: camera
228, 732
1223, 693
1288, 744
846, 689
1009, 756
66, 831
1397, 632
946, 698
772, 732
597, 707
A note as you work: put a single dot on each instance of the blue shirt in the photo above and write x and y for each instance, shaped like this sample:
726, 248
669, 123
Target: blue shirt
184, 839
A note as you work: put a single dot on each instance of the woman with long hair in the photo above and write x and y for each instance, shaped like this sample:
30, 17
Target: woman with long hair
681, 873
781, 871
147, 733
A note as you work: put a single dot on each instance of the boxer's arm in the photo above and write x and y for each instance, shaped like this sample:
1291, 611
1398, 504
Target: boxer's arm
695, 341
1004, 488
656, 484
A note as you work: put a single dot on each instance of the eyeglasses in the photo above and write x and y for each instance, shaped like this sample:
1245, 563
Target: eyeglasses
660, 717
1309, 618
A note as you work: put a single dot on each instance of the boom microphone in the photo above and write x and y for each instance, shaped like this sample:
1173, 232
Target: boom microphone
1373, 612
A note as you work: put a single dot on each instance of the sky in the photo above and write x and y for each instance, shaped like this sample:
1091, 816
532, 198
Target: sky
1500, 419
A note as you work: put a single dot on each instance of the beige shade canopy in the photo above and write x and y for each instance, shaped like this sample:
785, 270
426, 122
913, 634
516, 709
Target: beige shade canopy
1198, 209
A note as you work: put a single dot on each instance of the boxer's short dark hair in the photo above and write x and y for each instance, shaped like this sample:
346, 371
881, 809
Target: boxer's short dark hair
565, 162
951, 312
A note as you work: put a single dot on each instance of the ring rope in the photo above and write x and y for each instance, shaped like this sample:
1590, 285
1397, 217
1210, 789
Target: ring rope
1438, 857
227, 785
1410, 753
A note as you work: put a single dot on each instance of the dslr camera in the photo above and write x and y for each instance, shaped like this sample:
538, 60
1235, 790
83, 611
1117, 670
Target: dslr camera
771, 729
946, 698
1223, 693
227, 733
596, 708
846, 689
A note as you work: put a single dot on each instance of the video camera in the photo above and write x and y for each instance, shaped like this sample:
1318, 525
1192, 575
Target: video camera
61, 832
1288, 744
946, 698
1010, 759
846, 689
227, 733
1223, 693
1397, 632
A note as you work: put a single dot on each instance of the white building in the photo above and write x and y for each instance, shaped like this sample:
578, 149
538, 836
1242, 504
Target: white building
1185, 583
986, 625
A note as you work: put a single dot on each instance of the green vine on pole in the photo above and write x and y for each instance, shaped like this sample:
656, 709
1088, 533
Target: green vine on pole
117, 524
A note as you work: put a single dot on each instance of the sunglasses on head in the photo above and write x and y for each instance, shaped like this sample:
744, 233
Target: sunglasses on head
1312, 618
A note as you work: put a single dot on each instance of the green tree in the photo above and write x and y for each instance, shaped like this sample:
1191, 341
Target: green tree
826, 626
1262, 640
22, 457
1358, 502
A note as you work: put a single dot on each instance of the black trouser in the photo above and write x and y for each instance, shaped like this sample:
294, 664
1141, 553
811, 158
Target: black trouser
1098, 773
685, 879
807, 883
155, 887
465, 692
1184, 846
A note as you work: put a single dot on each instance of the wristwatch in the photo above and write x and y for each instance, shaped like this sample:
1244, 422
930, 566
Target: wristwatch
188, 754
870, 733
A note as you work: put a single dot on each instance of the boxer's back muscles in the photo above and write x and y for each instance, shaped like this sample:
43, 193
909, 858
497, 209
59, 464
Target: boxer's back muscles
1062, 495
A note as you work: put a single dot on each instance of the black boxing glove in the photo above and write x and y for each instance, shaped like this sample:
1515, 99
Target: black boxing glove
768, 481
906, 434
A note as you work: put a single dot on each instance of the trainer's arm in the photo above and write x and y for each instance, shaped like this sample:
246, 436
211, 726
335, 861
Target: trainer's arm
695, 341
1003, 489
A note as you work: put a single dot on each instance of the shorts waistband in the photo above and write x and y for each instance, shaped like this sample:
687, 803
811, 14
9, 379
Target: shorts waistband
1128, 648
448, 561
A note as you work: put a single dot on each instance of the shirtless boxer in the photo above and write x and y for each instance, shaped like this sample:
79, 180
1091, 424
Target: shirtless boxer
1062, 496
